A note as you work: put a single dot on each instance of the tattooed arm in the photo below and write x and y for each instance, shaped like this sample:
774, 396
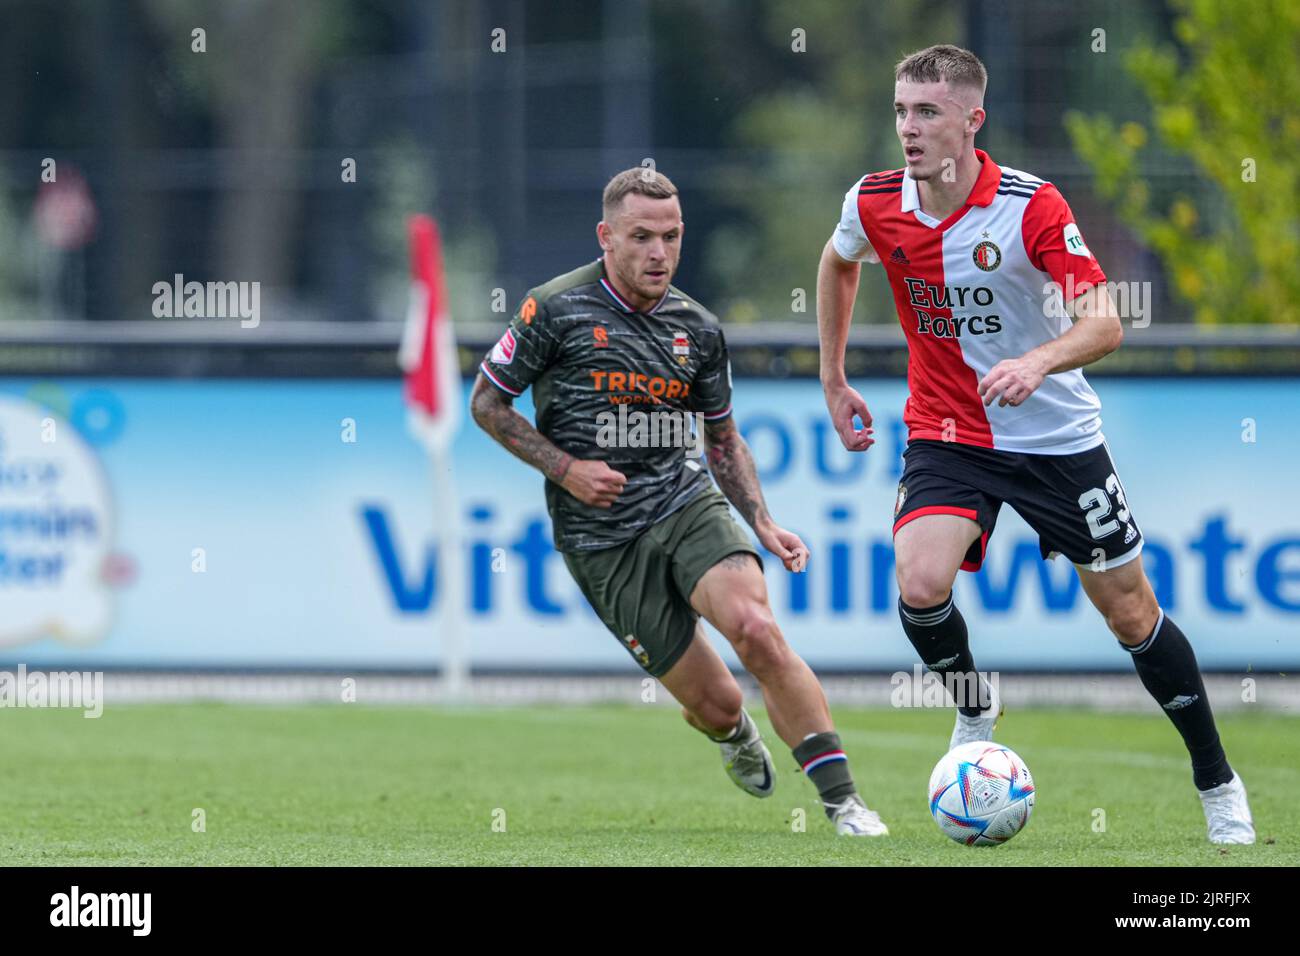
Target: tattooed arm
496, 415
733, 469
591, 482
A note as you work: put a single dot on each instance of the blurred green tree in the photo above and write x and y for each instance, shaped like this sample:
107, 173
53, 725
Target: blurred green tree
1225, 101
256, 73
824, 118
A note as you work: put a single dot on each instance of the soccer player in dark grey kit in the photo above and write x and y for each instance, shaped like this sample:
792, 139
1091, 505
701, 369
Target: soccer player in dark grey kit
644, 532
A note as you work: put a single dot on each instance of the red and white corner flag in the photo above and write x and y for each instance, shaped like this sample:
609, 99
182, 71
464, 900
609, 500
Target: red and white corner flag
433, 393
428, 351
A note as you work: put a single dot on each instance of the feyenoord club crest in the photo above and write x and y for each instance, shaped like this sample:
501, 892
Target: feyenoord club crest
681, 347
987, 256
898, 502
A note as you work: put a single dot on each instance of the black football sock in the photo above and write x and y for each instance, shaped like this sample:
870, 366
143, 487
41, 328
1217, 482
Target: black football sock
1166, 665
939, 635
826, 765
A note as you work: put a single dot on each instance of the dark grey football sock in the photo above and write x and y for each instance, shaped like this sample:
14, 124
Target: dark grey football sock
743, 729
823, 760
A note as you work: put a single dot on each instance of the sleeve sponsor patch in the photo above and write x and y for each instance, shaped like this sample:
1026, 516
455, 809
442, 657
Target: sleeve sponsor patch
1074, 243
503, 353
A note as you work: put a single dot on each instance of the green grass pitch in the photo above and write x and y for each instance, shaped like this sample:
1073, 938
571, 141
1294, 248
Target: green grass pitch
349, 784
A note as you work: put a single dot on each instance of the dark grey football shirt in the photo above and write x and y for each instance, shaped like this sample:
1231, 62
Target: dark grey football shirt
586, 352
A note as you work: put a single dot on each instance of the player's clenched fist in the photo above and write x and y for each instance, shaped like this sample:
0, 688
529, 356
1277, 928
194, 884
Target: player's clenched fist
593, 483
843, 403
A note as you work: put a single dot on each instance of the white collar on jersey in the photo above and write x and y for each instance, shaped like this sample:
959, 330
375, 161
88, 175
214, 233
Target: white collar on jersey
912, 202
981, 194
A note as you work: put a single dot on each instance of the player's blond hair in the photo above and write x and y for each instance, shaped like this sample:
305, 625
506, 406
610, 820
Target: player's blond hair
642, 180
944, 62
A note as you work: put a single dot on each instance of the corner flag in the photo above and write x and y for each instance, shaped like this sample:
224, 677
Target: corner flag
433, 392
428, 351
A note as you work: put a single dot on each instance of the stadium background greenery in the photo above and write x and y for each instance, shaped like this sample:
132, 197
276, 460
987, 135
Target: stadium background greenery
227, 162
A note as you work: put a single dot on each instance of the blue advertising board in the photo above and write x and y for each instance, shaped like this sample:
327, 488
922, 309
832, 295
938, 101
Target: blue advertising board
292, 524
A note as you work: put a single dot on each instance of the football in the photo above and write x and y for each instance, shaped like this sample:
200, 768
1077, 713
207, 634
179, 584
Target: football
981, 794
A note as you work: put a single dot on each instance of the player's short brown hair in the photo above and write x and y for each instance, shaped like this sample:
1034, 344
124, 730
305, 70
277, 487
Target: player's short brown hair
943, 62
643, 180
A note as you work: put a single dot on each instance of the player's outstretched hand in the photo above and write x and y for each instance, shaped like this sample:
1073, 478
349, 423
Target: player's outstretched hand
785, 545
1012, 379
844, 403
594, 483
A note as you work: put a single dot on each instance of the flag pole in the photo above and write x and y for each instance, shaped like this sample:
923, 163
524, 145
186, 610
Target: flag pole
451, 580
434, 395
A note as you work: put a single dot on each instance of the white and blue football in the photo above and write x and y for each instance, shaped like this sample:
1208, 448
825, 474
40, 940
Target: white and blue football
981, 794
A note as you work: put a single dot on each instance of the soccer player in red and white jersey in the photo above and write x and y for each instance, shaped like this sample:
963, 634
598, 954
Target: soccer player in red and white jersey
1002, 304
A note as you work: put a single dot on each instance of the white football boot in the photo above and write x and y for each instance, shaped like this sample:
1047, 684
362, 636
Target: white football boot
749, 765
970, 729
853, 818
1227, 814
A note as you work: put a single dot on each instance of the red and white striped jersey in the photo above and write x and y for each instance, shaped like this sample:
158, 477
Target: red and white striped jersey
981, 286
